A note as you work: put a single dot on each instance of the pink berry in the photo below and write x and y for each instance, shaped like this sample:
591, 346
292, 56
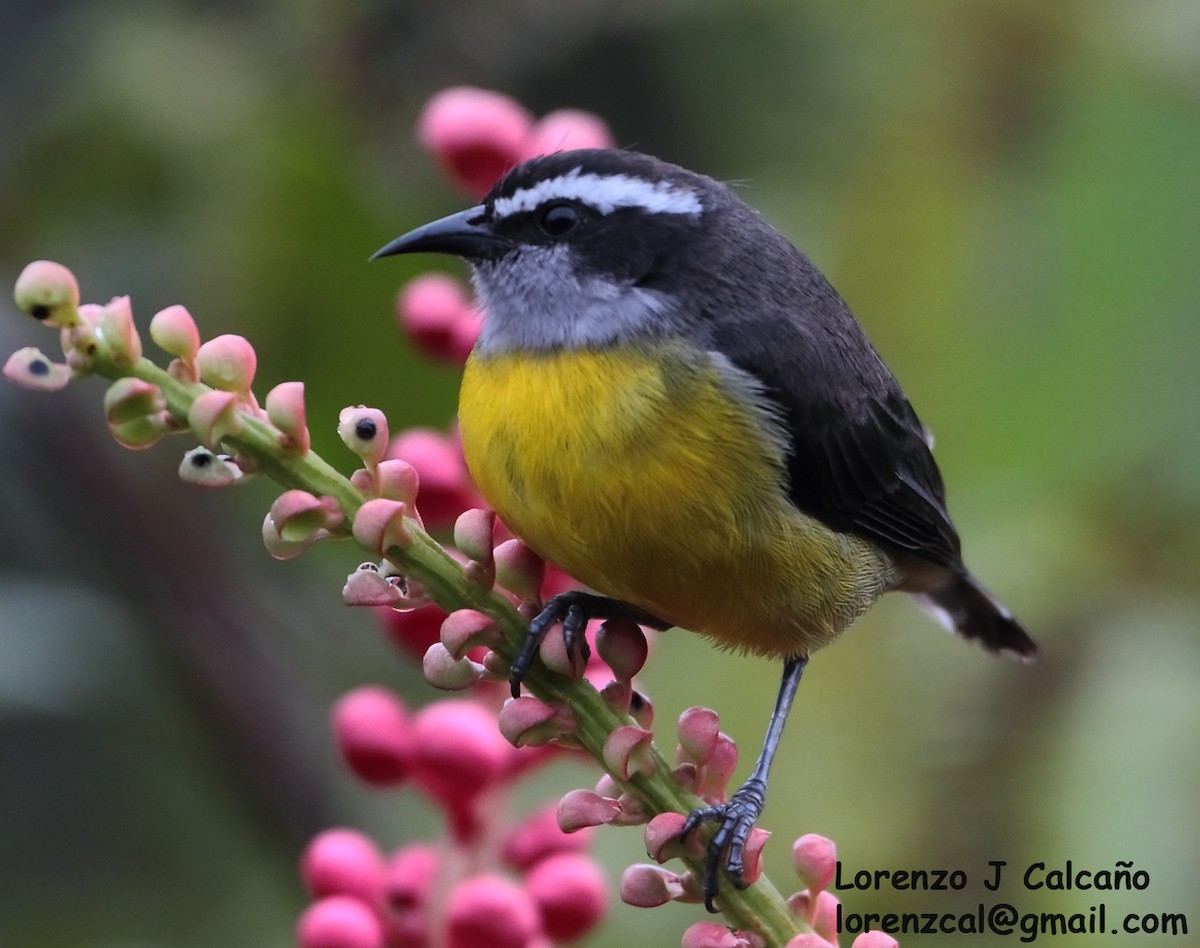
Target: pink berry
458, 753
570, 894
342, 862
489, 911
430, 308
476, 135
566, 130
339, 921
374, 735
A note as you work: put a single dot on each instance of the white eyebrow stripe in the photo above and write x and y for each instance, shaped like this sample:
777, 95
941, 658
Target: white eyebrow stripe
603, 192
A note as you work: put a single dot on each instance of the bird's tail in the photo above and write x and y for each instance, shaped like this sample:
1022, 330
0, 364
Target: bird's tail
970, 610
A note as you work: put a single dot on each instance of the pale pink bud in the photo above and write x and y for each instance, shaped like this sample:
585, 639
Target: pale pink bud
712, 935
374, 735
528, 722
474, 134
285, 409
802, 906
130, 398
136, 413
627, 751
367, 586
752, 854
277, 546
496, 667
698, 731
339, 921
823, 916
623, 647
579, 809
444, 671
116, 335
876, 939
214, 417
378, 584
570, 894
465, 629
392, 479
227, 363
379, 525
685, 775
430, 308
457, 754
138, 434
815, 859
646, 886
29, 368
617, 694
298, 515
202, 468
715, 774
174, 331
566, 130
538, 836
473, 532
664, 839
446, 489
520, 570
634, 811
343, 862
641, 709
49, 293
80, 343
365, 432
553, 652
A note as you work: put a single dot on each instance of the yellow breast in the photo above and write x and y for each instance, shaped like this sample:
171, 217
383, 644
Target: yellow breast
645, 474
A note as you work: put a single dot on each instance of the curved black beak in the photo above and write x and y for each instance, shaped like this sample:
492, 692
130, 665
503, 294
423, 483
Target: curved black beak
465, 234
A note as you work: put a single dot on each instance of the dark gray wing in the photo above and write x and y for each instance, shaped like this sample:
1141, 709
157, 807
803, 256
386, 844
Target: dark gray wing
859, 460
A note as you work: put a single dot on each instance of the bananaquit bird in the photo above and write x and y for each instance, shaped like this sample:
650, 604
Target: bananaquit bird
670, 402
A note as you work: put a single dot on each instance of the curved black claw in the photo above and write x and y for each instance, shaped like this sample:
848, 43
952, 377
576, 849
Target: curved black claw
735, 818
574, 609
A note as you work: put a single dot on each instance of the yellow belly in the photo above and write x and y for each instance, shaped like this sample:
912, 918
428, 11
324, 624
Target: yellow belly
645, 476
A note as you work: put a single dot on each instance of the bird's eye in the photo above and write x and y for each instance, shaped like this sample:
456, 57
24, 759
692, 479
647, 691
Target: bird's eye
557, 219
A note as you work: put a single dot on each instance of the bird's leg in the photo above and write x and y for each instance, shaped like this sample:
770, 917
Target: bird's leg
736, 816
573, 609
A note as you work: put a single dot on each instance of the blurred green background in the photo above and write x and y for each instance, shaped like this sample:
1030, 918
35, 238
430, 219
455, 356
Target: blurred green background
1007, 194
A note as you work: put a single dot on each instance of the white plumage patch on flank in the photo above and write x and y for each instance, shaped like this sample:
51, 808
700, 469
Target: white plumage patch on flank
603, 192
941, 616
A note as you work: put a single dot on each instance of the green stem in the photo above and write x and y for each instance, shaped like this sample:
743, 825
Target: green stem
760, 908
